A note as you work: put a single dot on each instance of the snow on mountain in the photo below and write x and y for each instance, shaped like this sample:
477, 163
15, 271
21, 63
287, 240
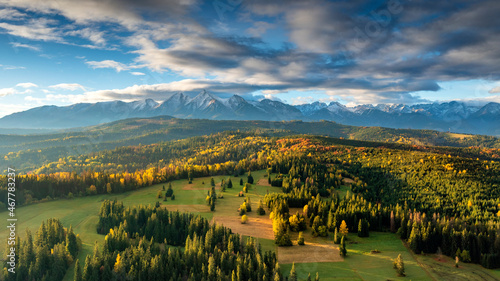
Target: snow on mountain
308, 108
202, 101
457, 116
143, 104
336, 107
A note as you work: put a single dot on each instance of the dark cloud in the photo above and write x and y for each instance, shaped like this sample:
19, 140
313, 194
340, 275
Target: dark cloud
381, 49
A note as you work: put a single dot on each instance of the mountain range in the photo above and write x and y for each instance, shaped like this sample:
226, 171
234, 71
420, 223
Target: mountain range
448, 116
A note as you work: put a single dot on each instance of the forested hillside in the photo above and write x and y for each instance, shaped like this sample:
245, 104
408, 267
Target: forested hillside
434, 197
30, 152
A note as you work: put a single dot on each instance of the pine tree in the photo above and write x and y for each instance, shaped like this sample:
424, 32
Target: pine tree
300, 240
241, 181
363, 228
170, 191
78, 271
336, 239
260, 209
71, 243
342, 248
343, 228
212, 182
293, 274
229, 183
393, 223
250, 178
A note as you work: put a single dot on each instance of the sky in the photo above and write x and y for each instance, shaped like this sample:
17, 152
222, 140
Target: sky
60, 52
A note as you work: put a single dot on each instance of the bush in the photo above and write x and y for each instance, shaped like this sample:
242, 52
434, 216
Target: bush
399, 265
244, 219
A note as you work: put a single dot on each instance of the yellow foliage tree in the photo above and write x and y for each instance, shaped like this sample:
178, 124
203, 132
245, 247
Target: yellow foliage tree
343, 228
117, 263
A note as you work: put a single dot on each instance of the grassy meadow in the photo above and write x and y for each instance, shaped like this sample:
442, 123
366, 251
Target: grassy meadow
360, 264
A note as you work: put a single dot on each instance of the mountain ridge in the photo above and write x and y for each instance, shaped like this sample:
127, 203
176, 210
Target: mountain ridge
447, 116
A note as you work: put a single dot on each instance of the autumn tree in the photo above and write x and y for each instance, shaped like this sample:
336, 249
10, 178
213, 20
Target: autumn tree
399, 266
343, 229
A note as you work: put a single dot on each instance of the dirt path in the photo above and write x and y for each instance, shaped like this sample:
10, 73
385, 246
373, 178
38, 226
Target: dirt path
260, 227
309, 253
263, 182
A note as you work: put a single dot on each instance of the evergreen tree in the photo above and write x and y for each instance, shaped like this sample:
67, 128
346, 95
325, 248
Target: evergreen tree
260, 209
336, 238
363, 228
71, 242
342, 248
343, 228
293, 274
229, 183
300, 240
241, 181
170, 191
250, 178
78, 271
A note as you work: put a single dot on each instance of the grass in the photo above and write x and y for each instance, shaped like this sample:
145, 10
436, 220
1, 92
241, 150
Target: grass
443, 268
82, 212
360, 264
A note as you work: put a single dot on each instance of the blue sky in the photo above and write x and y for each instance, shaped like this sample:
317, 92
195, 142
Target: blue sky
63, 52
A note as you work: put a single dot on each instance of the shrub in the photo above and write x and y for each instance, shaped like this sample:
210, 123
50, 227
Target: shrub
244, 219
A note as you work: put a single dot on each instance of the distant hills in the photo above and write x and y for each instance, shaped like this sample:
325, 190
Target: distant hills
449, 116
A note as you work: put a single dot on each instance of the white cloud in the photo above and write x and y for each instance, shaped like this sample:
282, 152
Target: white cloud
137, 73
68, 86
118, 66
11, 67
95, 36
11, 14
27, 46
8, 91
27, 85
12, 91
495, 90
34, 29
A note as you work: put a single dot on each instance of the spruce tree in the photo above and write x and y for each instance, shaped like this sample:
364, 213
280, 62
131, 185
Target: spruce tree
250, 178
342, 248
78, 271
293, 274
300, 240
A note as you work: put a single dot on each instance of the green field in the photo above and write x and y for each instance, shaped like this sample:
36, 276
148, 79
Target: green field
360, 264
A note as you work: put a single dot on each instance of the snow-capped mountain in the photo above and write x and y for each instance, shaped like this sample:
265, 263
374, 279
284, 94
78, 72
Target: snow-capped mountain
308, 108
454, 116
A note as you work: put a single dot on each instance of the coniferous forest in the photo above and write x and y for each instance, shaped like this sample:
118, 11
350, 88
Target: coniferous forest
434, 198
